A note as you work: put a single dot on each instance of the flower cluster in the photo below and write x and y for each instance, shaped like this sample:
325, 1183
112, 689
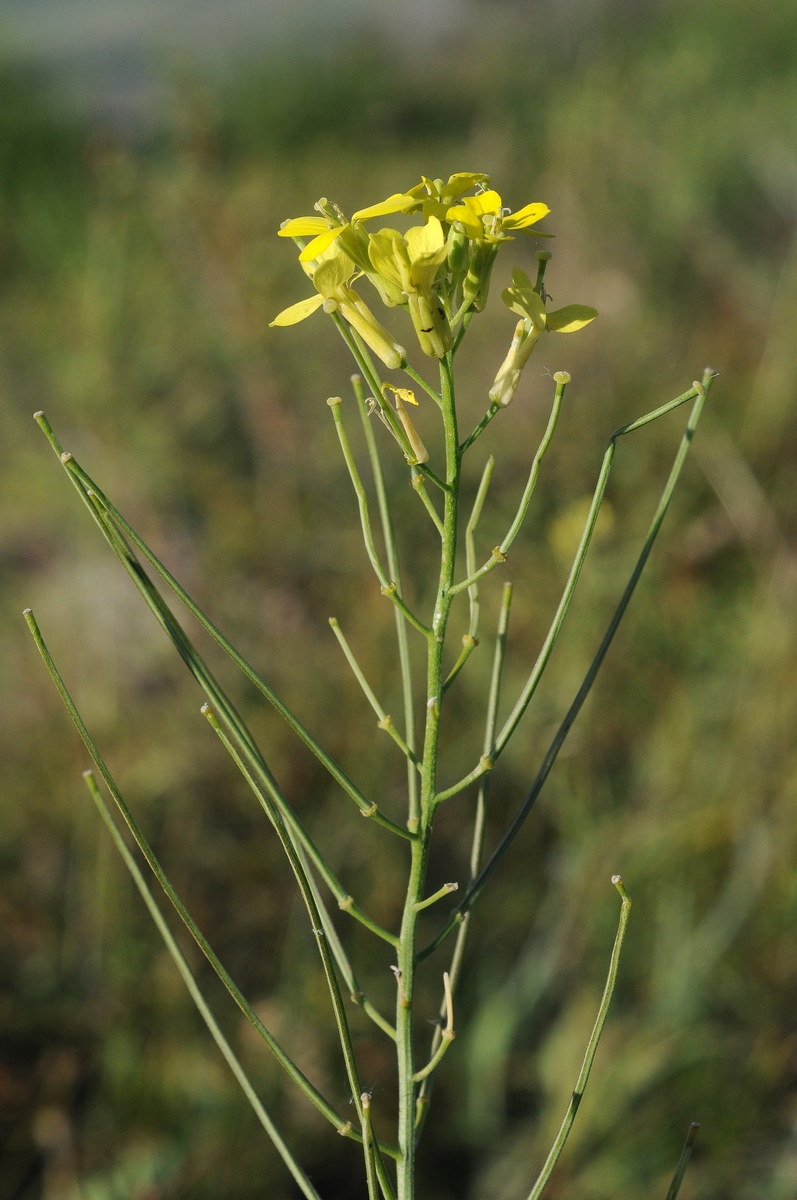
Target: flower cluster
439, 271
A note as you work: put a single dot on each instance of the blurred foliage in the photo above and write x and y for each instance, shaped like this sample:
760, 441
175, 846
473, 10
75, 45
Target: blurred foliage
136, 284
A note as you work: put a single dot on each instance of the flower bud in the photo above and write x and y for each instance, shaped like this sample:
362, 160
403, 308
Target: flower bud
457, 248
506, 381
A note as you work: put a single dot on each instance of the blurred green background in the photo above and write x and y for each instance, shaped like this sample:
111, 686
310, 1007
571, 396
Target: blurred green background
138, 272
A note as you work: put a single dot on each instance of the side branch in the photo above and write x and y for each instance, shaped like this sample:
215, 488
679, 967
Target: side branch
500, 552
697, 392
586, 685
384, 720
592, 1046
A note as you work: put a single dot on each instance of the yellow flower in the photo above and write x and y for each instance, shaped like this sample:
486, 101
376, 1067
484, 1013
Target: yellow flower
330, 275
410, 263
521, 298
487, 224
485, 219
433, 198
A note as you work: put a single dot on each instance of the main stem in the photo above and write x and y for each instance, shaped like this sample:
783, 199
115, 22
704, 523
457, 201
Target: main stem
420, 848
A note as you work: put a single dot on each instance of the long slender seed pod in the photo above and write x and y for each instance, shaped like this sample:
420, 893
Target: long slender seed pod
302, 1182
592, 1046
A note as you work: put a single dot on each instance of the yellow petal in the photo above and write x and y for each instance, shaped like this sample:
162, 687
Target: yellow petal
526, 303
571, 318
462, 182
382, 253
297, 312
322, 242
398, 202
426, 240
303, 227
333, 271
485, 202
471, 221
521, 280
526, 216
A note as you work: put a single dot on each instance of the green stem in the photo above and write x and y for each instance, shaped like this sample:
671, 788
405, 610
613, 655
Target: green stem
269, 796
388, 587
407, 1083
470, 544
477, 842
389, 537
184, 970
480, 428
368, 1147
485, 765
364, 362
446, 1037
384, 721
683, 1162
356, 993
419, 486
427, 387
592, 1046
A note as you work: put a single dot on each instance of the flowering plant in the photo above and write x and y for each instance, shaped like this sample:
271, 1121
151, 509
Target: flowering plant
439, 271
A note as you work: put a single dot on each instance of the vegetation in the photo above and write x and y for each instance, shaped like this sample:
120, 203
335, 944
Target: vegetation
137, 288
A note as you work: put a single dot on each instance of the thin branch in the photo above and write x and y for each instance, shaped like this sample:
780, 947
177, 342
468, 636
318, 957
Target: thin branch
79, 476
419, 485
268, 795
693, 393
356, 993
384, 721
368, 1148
683, 1162
480, 428
284, 1152
427, 387
470, 543
558, 741
485, 764
387, 586
365, 364
446, 1037
592, 1046
395, 571
445, 890
500, 552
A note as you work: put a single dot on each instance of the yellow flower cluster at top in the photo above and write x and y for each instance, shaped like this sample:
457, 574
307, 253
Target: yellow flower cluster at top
438, 270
